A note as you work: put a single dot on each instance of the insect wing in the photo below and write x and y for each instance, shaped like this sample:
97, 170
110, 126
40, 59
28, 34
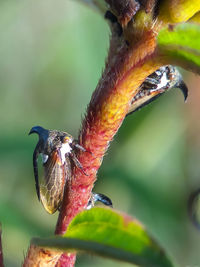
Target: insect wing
53, 183
144, 100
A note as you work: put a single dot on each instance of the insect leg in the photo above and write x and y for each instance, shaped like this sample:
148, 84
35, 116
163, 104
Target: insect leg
77, 162
76, 144
80, 147
152, 81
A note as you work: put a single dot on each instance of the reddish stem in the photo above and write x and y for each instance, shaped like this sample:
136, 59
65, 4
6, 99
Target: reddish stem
127, 67
106, 112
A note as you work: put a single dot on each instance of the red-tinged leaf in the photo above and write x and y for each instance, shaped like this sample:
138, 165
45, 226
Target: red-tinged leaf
109, 233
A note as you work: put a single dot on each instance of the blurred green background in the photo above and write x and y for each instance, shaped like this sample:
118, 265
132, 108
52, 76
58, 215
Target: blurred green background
52, 55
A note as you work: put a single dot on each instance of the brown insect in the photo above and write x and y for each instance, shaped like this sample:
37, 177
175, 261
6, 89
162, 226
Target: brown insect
57, 150
157, 83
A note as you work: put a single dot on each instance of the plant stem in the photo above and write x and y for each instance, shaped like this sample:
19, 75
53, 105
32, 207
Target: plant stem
107, 109
127, 67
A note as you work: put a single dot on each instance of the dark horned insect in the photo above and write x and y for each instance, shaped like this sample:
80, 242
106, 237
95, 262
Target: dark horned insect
160, 81
57, 150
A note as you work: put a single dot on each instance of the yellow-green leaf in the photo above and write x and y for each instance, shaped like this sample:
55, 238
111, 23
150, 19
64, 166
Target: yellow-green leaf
181, 44
111, 234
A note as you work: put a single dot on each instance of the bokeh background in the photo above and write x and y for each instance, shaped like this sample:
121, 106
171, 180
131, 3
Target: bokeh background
52, 55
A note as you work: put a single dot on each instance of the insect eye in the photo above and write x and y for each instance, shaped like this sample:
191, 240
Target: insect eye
66, 139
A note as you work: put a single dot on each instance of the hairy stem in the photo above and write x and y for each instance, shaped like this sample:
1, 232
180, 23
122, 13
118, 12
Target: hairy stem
106, 111
128, 64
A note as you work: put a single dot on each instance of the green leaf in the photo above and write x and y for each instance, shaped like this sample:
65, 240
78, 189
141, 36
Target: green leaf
108, 233
181, 44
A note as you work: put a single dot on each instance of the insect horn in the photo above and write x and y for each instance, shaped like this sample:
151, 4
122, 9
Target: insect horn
184, 89
38, 130
43, 135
